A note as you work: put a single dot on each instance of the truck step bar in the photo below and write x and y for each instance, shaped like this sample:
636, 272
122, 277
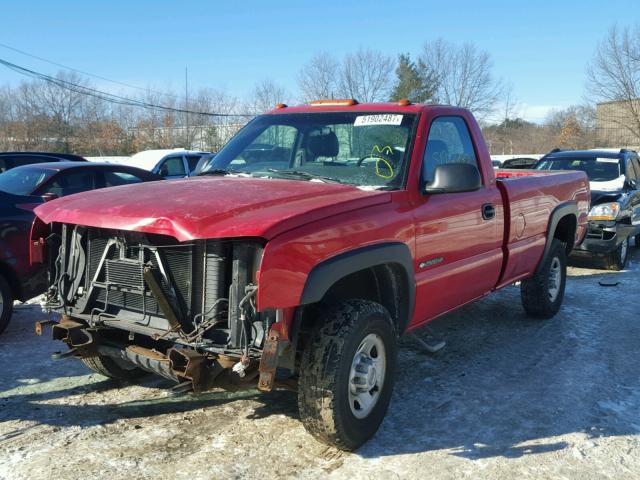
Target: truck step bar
432, 344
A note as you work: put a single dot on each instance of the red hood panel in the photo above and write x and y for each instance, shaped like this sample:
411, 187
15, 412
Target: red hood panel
209, 207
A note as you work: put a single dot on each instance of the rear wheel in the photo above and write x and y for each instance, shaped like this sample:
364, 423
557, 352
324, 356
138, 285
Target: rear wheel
6, 303
347, 374
111, 368
543, 293
617, 259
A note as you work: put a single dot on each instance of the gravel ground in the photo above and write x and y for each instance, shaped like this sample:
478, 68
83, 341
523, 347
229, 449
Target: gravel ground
507, 398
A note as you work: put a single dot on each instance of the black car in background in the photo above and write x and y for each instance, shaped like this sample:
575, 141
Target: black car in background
519, 163
9, 160
614, 218
21, 190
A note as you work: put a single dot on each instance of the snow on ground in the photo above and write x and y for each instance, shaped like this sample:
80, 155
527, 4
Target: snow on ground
507, 398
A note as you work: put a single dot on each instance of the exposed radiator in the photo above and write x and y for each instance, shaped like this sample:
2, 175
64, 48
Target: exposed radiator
196, 274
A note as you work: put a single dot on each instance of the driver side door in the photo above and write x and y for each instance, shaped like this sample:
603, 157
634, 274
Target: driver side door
458, 235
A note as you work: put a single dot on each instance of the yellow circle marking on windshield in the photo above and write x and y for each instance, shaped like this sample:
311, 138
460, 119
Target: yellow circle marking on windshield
386, 150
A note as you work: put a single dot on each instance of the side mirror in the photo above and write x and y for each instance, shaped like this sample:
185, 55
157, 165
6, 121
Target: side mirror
47, 197
631, 184
453, 178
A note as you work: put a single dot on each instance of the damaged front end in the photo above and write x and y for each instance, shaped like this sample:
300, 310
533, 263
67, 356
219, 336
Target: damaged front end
185, 311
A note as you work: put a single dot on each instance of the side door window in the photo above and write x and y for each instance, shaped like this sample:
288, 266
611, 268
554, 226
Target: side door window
115, 179
632, 169
69, 183
449, 141
172, 167
192, 162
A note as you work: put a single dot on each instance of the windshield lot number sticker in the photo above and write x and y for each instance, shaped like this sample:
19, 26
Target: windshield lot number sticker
365, 120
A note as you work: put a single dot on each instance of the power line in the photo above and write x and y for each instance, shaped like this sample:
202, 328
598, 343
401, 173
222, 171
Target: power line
106, 96
128, 85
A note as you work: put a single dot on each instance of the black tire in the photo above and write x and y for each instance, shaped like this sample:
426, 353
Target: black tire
617, 259
541, 296
326, 367
6, 296
637, 239
108, 367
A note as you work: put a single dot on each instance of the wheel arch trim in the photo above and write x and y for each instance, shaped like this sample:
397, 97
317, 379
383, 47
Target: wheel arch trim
569, 209
328, 272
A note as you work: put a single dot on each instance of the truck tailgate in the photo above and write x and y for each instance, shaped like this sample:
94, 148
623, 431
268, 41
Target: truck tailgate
530, 197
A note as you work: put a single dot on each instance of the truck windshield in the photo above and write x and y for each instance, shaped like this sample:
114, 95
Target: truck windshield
23, 180
597, 169
357, 148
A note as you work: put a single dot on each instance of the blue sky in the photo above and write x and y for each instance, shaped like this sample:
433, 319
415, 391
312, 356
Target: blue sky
541, 47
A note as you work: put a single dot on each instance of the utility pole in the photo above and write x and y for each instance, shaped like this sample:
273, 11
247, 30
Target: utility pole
186, 106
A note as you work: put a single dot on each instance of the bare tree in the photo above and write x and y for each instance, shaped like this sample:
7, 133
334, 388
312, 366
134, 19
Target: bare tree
319, 78
367, 75
613, 75
265, 96
510, 105
61, 115
463, 75
584, 116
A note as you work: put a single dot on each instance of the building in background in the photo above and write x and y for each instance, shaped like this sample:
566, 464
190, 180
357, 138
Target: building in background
618, 124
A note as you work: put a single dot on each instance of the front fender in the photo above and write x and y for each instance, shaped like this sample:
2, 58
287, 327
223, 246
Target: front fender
289, 258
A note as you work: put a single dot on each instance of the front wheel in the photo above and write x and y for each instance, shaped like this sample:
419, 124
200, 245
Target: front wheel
617, 259
347, 374
542, 294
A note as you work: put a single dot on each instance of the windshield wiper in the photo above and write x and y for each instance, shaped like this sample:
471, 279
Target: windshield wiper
218, 171
304, 175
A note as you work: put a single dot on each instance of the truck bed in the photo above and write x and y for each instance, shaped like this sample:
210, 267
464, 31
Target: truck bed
506, 173
529, 197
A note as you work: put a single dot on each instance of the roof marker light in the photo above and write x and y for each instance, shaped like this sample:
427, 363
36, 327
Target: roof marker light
338, 102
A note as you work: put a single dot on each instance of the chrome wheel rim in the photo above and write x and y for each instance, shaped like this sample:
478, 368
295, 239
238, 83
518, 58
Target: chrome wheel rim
555, 276
366, 377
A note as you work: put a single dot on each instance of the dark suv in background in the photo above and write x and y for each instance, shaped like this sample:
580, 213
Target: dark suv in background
615, 200
9, 160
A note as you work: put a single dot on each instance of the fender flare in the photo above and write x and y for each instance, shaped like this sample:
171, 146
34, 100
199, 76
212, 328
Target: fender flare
560, 212
326, 273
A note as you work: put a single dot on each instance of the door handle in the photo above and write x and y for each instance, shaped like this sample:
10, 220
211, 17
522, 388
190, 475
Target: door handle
488, 211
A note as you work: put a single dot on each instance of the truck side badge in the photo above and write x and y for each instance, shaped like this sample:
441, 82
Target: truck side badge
431, 262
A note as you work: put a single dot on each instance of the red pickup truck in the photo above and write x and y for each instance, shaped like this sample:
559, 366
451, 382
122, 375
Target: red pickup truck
317, 236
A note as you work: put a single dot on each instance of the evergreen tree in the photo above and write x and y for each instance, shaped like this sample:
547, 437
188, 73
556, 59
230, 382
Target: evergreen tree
413, 82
